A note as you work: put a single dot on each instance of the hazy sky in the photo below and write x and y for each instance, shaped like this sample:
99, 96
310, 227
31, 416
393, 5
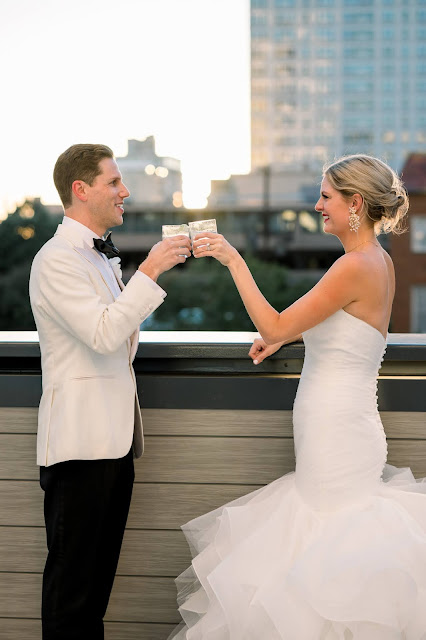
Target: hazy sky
106, 71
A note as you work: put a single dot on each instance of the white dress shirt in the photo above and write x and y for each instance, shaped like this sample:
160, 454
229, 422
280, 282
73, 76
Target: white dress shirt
87, 235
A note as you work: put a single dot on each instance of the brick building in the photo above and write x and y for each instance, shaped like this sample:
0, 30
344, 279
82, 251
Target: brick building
409, 253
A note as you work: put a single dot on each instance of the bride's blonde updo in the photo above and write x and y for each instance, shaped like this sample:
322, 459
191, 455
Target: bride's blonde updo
385, 200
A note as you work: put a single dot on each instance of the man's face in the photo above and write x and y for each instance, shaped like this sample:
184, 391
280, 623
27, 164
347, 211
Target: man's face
106, 196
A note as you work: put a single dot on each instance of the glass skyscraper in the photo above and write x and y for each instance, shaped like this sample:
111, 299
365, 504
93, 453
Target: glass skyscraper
330, 77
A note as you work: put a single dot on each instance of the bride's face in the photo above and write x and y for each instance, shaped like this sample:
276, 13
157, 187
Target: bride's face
334, 209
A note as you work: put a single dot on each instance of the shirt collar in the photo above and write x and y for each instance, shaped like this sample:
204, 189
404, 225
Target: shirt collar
85, 234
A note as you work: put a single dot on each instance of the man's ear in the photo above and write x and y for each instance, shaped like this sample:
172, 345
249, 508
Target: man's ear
79, 189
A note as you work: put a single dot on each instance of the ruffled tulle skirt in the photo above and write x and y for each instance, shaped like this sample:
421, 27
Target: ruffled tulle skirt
269, 567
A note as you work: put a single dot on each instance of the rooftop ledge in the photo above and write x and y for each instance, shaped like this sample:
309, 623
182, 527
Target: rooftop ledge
212, 369
201, 337
217, 352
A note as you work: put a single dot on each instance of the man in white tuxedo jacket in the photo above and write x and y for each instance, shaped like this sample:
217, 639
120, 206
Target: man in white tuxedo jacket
90, 425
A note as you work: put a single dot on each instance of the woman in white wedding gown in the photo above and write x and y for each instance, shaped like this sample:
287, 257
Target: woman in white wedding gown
337, 549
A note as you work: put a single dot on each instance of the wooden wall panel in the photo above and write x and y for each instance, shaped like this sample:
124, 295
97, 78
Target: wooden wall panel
196, 460
21, 503
408, 453
154, 506
144, 552
397, 424
175, 459
133, 598
168, 506
21, 629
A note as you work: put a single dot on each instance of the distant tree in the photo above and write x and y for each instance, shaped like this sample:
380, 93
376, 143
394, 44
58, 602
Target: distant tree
22, 234
202, 296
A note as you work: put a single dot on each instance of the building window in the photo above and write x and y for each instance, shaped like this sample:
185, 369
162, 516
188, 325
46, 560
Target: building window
418, 234
358, 18
418, 309
283, 19
284, 33
358, 137
366, 53
353, 35
326, 17
285, 3
324, 33
259, 32
388, 17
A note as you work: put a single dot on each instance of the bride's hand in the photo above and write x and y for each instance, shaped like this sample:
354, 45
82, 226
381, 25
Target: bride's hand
214, 245
260, 350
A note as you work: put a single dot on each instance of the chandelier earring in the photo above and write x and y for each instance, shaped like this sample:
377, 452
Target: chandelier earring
354, 219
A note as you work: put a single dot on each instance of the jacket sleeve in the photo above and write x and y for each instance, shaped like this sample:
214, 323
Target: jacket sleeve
61, 288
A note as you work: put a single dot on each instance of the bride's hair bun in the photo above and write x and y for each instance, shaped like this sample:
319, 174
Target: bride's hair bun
385, 200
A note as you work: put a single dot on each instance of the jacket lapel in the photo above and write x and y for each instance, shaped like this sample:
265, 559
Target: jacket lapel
89, 255
86, 251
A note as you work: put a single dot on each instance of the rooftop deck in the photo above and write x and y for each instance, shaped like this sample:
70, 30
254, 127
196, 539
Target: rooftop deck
216, 427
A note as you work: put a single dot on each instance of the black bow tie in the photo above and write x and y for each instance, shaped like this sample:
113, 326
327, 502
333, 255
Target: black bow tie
106, 246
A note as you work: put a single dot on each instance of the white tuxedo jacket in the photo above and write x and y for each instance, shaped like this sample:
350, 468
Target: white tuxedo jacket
88, 339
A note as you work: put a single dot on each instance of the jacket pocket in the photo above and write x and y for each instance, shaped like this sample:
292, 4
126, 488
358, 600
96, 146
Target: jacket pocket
105, 377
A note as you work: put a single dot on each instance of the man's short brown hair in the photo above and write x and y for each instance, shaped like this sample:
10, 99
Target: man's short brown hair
79, 162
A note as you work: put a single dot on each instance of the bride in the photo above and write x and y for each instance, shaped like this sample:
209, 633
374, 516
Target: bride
337, 549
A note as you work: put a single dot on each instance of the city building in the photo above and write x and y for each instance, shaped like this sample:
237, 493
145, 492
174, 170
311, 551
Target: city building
265, 188
409, 253
152, 180
331, 77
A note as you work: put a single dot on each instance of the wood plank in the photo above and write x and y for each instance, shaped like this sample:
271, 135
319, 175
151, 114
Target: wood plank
217, 422
140, 599
168, 506
14, 628
408, 453
176, 459
22, 549
133, 598
398, 424
153, 553
154, 506
20, 595
404, 424
18, 419
137, 631
21, 503
177, 422
201, 459
18, 457
215, 460
144, 552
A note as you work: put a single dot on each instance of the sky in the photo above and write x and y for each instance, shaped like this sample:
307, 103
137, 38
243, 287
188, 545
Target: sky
105, 71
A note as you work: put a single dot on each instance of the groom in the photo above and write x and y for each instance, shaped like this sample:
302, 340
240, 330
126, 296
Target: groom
90, 424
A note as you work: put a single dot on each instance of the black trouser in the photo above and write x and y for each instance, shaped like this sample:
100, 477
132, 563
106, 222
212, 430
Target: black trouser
86, 503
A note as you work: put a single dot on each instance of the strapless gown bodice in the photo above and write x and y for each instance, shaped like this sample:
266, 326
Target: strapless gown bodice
335, 550
339, 439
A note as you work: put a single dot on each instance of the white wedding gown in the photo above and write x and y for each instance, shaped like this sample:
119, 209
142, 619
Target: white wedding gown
335, 550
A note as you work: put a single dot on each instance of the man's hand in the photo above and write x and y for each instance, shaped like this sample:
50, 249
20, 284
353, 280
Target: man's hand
260, 350
166, 254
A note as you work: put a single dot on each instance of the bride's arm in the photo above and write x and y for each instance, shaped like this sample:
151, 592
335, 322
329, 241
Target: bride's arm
342, 284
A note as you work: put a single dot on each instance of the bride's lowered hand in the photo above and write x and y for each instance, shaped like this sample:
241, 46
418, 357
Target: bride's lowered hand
260, 350
214, 245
